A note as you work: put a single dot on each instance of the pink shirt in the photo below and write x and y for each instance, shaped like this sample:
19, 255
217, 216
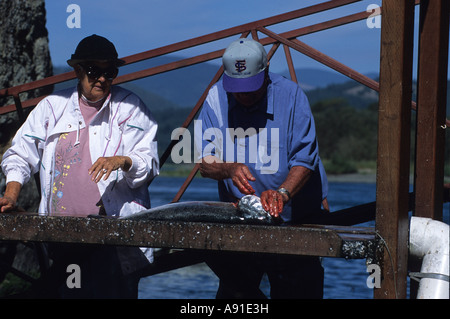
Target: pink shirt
74, 193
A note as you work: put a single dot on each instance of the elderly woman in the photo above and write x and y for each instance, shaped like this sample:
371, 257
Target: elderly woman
94, 147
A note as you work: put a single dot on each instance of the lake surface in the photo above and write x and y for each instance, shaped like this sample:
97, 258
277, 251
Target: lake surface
344, 279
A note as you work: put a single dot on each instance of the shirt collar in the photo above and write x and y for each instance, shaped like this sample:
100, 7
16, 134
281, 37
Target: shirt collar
269, 95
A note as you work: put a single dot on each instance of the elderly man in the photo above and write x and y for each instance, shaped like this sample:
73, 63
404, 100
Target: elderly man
95, 149
258, 137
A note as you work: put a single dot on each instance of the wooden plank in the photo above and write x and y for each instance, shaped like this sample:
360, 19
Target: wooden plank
394, 143
431, 108
325, 241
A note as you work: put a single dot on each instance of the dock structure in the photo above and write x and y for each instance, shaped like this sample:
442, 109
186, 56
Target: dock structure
314, 240
385, 244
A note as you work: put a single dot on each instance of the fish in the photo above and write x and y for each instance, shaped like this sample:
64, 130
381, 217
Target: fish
251, 207
249, 210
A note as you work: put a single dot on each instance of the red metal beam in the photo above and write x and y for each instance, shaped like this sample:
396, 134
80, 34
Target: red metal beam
15, 90
290, 64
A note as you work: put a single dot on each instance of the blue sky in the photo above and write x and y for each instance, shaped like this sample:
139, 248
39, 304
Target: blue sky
137, 25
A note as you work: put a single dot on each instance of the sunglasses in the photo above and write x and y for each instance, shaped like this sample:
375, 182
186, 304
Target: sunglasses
94, 72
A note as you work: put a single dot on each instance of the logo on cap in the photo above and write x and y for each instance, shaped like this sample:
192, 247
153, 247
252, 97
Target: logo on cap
240, 65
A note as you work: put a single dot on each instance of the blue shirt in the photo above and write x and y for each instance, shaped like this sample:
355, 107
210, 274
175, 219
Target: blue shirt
273, 136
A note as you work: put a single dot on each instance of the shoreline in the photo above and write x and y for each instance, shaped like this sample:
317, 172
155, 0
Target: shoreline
352, 178
363, 176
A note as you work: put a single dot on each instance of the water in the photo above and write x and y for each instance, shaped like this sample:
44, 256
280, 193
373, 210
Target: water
344, 279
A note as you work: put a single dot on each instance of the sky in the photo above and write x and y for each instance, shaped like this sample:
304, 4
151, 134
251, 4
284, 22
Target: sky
140, 25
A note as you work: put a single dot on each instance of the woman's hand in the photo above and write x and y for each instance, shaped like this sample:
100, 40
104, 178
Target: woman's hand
104, 166
9, 200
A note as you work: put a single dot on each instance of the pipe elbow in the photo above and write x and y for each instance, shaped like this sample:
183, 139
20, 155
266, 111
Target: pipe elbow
428, 236
429, 241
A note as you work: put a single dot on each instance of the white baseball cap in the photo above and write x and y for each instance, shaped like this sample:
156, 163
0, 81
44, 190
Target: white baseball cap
244, 62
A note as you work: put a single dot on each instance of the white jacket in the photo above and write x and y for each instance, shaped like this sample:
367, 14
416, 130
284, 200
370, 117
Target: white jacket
123, 126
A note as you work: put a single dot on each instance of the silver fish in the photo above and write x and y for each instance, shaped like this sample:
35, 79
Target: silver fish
248, 211
251, 207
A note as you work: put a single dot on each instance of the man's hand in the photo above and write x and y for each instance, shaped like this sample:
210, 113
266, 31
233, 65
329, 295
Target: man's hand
213, 167
273, 202
240, 175
104, 166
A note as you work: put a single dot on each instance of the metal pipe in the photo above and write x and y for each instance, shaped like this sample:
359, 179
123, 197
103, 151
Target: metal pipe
429, 241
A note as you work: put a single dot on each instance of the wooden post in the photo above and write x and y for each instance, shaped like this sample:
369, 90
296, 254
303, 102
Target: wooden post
394, 144
431, 108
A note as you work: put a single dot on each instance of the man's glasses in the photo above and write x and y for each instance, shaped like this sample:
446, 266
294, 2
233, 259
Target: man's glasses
94, 72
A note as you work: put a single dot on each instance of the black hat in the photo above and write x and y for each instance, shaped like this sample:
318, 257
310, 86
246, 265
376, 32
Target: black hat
95, 48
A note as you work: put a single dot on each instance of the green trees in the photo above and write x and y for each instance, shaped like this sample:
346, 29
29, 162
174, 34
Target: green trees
347, 135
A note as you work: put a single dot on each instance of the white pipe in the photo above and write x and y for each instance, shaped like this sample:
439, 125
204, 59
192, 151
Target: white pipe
429, 240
